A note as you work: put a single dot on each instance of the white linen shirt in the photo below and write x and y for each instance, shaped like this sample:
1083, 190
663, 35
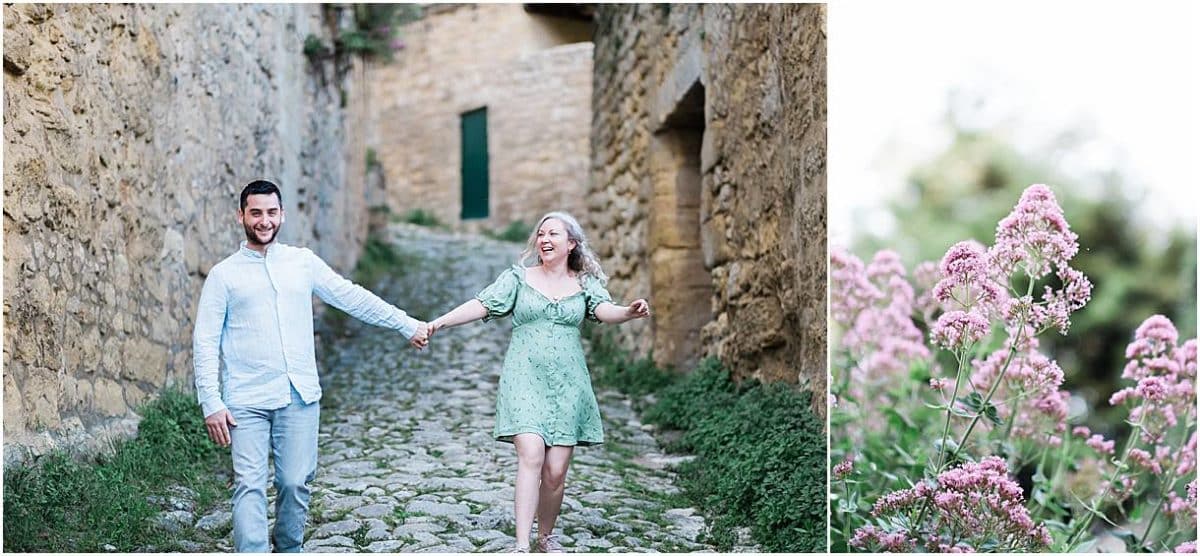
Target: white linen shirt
257, 310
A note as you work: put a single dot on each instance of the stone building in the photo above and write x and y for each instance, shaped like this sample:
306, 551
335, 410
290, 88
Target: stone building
708, 182
128, 132
483, 118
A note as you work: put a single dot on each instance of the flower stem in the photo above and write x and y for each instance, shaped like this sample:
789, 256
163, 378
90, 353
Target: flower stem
1086, 521
950, 408
962, 357
1012, 350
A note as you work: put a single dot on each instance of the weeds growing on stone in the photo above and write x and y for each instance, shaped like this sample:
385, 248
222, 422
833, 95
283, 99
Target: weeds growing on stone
760, 452
517, 231
61, 504
422, 217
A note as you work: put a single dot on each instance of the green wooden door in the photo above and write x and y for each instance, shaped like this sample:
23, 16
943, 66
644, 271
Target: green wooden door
474, 164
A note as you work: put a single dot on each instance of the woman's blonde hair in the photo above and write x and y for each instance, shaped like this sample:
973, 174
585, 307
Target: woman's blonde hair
582, 259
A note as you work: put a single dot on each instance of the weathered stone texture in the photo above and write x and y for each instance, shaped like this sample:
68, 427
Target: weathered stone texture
724, 105
129, 131
532, 72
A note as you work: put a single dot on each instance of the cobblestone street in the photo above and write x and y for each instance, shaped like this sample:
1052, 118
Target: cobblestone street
407, 462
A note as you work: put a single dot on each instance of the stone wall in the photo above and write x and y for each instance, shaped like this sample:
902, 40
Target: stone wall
534, 75
129, 131
708, 182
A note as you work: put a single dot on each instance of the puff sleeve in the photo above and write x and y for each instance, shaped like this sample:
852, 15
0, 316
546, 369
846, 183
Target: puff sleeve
594, 294
500, 297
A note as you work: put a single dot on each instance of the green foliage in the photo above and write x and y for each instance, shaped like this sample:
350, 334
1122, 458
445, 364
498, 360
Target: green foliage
373, 34
421, 217
760, 452
372, 159
611, 367
315, 48
677, 408
64, 505
760, 457
517, 231
379, 259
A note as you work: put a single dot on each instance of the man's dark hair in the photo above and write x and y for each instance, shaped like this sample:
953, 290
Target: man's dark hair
260, 187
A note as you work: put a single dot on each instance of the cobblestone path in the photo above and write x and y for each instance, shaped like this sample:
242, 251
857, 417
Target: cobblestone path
407, 462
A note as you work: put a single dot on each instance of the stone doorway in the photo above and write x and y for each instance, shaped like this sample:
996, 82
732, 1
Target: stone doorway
680, 284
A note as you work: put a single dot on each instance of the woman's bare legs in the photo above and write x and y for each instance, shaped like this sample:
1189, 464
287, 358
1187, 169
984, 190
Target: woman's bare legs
550, 496
531, 453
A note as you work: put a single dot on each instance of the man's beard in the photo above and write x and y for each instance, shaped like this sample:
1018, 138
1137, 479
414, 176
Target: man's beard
252, 236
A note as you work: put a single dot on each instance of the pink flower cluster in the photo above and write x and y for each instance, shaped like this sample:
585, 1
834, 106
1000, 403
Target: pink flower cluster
970, 506
874, 304
873, 539
1181, 508
966, 279
1032, 379
1165, 375
1034, 236
1036, 239
842, 469
974, 282
959, 329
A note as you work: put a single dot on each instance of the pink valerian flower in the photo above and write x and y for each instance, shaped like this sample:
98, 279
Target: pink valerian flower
841, 470
957, 330
1179, 507
925, 276
1155, 336
850, 291
941, 384
884, 266
1099, 444
873, 539
881, 337
1184, 461
972, 504
1036, 240
1144, 460
1059, 304
1188, 547
1031, 380
966, 282
1166, 379
1034, 236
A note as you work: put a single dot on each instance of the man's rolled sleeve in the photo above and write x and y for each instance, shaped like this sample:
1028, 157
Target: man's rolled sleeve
206, 344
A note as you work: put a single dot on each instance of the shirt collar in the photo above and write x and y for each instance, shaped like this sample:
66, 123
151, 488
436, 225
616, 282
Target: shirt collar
255, 254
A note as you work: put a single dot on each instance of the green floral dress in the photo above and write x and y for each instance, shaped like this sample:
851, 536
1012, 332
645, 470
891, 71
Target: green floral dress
545, 387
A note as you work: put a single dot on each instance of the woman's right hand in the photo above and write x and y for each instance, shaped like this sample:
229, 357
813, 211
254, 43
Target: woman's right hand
434, 325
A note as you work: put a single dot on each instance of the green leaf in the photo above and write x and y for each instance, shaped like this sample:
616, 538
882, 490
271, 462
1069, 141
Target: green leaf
992, 415
972, 401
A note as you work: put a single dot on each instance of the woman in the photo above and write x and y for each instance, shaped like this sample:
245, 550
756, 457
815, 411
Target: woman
545, 405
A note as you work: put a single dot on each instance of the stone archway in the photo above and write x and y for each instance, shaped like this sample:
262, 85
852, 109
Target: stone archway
680, 284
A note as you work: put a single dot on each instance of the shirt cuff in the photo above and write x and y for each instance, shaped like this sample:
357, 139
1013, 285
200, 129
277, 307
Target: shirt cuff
212, 406
408, 326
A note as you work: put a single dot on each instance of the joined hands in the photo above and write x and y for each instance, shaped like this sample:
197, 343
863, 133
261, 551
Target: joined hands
420, 339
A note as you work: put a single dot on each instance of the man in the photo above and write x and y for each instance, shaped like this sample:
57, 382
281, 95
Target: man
255, 311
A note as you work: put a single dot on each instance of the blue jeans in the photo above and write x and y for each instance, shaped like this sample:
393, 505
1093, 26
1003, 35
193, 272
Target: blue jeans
289, 436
